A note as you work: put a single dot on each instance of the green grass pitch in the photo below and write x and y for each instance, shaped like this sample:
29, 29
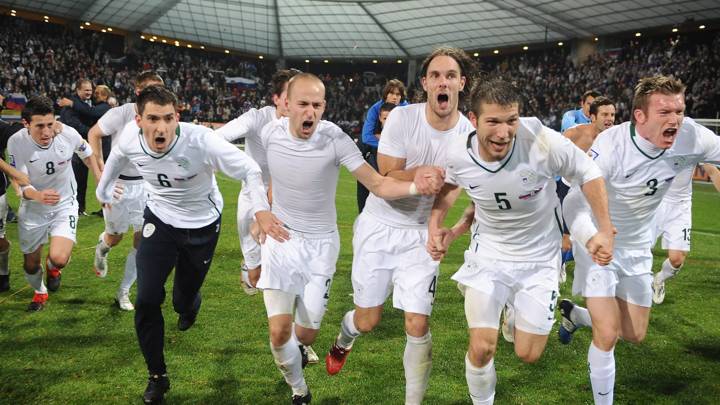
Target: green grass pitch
82, 348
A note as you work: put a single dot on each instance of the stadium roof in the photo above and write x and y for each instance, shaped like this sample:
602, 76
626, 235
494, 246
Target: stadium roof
373, 29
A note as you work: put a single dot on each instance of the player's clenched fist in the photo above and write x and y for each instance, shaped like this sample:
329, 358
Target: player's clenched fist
429, 179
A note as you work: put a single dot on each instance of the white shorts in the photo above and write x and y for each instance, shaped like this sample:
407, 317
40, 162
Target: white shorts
126, 211
303, 267
673, 222
530, 287
34, 227
628, 276
250, 249
3, 214
388, 259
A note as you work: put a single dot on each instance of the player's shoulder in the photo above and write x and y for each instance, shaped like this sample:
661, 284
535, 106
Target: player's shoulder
19, 137
193, 133
330, 130
69, 133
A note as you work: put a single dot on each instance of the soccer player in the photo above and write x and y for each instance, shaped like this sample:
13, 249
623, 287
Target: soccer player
304, 155
602, 117
673, 222
6, 131
49, 205
128, 210
389, 236
582, 114
639, 160
248, 126
508, 167
182, 217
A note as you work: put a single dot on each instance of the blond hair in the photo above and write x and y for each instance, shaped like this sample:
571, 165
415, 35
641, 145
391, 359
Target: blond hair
648, 86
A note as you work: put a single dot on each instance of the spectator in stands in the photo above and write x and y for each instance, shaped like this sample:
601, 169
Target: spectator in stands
580, 115
393, 93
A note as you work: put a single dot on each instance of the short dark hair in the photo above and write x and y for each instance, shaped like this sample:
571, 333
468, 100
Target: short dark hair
37, 105
467, 65
494, 91
599, 102
147, 76
80, 82
391, 86
590, 93
155, 94
278, 80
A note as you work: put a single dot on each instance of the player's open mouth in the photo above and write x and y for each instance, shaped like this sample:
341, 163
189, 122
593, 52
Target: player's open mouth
670, 132
498, 146
159, 140
306, 125
443, 100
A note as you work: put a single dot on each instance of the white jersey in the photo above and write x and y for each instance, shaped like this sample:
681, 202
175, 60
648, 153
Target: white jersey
407, 135
681, 188
517, 213
49, 167
112, 124
182, 189
305, 173
638, 174
249, 126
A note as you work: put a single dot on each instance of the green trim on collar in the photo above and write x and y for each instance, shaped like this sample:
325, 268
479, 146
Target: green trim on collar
633, 134
142, 139
469, 151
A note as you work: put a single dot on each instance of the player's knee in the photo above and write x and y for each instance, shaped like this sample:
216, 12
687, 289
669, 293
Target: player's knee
31, 266
605, 340
635, 336
416, 325
481, 352
528, 354
368, 322
279, 335
60, 260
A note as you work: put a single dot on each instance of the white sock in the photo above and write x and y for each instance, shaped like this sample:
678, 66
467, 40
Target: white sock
130, 271
102, 247
668, 271
289, 361
348, 331
580, 316
481, 382
417, 362
4, 261
36, 281
602, 374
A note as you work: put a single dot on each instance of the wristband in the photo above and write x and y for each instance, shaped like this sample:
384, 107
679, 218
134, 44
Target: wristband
413, 189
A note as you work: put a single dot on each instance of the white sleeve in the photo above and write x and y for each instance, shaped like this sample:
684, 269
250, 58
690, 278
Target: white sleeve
16, 156
578, 215
113, 166
394, 135
569, 161
112, 122
230, 160
240, 126
347, 152
81, 147
710, 145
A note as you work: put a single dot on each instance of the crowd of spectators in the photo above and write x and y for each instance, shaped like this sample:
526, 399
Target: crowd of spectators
49, 59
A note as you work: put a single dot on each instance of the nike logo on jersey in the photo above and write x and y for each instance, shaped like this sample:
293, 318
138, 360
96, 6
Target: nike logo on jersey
140, 164
627, 176
602, 394
32, 161
473, 187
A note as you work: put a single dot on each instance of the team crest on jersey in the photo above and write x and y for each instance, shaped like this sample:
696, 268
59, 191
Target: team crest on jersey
680, 161
11, 160
183, 162
528, 176
593, 154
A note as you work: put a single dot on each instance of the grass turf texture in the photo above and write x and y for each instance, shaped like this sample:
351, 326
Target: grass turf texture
83, 349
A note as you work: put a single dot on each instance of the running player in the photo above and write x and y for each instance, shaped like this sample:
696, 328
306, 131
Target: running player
673, 222
248, 126
639, 160
389, 239
128, 210
182, 218
508, 167
304, 155
48, 205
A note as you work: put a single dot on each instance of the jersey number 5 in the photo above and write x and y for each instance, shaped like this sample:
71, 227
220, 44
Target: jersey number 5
503, 203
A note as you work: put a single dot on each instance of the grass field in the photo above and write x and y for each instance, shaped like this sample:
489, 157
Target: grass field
82, 348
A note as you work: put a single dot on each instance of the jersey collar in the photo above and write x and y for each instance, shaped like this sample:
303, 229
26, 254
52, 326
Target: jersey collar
152, 154
633, 134
468, 146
